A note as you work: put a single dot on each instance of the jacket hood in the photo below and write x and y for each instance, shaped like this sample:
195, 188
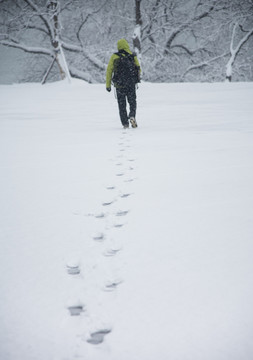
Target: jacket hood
123, 45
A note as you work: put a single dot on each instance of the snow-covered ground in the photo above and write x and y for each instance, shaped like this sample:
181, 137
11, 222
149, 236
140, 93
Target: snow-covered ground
156, 221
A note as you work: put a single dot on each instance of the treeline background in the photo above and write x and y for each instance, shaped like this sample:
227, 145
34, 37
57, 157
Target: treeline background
176, 40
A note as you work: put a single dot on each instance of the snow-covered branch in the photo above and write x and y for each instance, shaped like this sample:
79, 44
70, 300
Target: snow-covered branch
75, 73
186, 25
29, 49
177, 39
84, 20
42, 16
202, 64
235, 51
79, 49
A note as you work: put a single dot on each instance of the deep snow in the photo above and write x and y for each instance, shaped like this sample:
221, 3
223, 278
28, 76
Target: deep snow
157, 219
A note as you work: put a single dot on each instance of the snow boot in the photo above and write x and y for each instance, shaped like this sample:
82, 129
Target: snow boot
133, 122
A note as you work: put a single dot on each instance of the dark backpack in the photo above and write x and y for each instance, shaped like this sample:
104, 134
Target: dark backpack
125, 72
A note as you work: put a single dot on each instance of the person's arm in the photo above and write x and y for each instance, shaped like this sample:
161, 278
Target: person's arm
109, 71
136, 61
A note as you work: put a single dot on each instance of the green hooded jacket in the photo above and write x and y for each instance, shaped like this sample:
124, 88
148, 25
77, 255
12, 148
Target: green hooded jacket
122, 45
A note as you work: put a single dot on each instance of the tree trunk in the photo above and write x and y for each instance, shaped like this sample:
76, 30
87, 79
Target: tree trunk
62, 64
137, 30
53, 8
235, 51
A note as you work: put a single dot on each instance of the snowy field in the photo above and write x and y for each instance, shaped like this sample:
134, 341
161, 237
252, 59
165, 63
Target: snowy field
156, 223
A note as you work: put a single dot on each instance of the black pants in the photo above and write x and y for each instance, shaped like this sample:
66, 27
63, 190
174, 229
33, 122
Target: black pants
129, 94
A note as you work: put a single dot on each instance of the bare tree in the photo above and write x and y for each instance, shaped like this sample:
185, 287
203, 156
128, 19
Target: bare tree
240, 36
190, 40
36, 27
234, 51
45, 20
137, 30
176, 40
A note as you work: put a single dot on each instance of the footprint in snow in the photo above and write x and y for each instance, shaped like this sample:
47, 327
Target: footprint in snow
129, 180
73, 269
107, 203
123, 196
100, 216
98, 336
111, 252
73, 266
99, 237
110, 187
117, 226
122, 213
76, 310
111, 286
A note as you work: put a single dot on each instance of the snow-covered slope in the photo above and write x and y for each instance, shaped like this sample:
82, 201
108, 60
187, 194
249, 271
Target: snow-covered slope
156, 223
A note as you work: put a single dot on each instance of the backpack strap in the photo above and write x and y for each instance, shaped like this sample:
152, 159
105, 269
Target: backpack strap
123, 53
119, 54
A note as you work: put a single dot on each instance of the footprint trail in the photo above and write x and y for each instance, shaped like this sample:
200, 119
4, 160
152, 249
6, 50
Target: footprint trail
105, 272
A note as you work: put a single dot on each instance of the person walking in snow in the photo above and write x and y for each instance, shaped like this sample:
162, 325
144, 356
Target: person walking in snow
123, 71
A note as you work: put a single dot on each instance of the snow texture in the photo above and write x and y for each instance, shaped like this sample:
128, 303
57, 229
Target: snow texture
128, 244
